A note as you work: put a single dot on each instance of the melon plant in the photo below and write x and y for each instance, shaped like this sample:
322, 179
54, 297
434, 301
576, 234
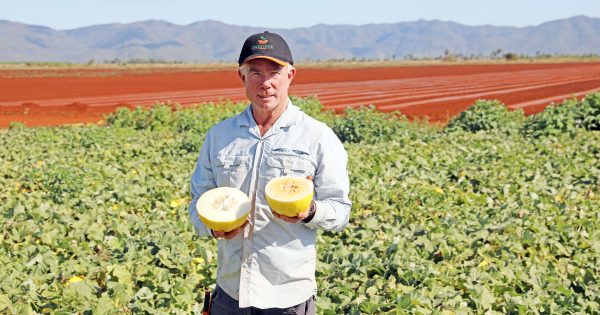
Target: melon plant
368, 125
591, 111
565, 118
95, 221
556, 119
486, 115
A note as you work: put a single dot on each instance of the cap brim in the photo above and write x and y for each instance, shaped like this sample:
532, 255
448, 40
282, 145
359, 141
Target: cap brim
275, 60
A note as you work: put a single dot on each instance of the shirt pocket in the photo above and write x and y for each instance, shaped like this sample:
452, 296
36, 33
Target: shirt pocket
232, 170
289, 163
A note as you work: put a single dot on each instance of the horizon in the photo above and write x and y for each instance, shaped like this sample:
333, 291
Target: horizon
289, 28
67, 14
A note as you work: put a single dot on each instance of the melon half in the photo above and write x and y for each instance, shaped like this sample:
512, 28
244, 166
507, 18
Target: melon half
223, 208
289, 195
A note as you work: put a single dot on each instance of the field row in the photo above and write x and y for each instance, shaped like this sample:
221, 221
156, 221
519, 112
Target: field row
436, 92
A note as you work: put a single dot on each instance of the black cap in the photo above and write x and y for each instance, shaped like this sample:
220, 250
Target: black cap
268, 46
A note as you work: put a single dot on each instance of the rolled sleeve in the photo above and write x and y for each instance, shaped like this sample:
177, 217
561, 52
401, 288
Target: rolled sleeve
202, 181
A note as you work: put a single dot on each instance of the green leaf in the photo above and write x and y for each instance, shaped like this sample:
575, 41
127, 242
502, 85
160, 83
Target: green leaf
123, 275
5, 303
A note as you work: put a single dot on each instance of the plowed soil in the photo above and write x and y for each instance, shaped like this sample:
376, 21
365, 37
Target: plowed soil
51, 97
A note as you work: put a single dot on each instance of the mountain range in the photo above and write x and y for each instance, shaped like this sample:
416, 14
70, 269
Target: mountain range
213, 41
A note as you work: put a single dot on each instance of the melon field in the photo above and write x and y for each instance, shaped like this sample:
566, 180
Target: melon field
495, 213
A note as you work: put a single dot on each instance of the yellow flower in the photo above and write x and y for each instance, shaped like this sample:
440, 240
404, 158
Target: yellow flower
198, 260
439, 190
75, 279
177, 202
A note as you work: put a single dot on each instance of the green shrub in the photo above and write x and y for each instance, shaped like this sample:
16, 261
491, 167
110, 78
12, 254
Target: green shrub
190, 142
63, 183
591, 111
487, 115
123, 117
368, 125
198, 118
565, 117
314, 108
16, 125
157, 117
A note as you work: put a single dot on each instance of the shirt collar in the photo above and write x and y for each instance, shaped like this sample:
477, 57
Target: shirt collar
287, 118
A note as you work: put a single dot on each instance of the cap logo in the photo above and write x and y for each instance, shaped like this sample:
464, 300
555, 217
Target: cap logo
262, 44
262, 40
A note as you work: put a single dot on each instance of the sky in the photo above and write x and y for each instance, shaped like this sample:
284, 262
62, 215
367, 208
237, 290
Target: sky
69, 14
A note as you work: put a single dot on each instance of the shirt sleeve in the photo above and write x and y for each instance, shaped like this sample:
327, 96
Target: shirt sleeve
331, 185
202, 180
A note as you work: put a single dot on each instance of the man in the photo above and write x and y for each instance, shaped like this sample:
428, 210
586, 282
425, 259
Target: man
267, 266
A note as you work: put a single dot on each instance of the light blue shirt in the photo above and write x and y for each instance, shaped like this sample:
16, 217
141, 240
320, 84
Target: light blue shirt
273, 263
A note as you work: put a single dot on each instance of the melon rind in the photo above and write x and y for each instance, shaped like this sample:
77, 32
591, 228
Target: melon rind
223, 222
292, 206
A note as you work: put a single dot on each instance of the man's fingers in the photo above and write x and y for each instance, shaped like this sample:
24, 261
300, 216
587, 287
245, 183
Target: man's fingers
277, 215
231, 234
289, 219
303, 215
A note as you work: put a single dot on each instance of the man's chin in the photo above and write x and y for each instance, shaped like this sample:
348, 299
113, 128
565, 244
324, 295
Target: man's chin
267, 104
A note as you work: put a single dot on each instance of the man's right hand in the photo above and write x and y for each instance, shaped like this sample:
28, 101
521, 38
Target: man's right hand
231, 234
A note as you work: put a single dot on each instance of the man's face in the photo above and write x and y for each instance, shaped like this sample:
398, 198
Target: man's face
266, 83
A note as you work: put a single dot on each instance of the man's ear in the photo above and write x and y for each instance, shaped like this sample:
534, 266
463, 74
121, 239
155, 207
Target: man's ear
241, 76
291, 74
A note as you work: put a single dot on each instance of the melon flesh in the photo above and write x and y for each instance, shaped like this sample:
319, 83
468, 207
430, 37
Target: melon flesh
289, 195
223, 208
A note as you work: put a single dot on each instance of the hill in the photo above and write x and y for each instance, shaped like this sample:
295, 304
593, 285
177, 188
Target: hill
213, 41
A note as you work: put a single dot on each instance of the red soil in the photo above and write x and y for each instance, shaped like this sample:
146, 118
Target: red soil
55, 97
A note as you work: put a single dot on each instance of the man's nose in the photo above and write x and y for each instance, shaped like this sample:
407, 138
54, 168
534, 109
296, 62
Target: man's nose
265, 81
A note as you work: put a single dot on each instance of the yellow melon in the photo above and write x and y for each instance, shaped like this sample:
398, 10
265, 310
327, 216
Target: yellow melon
223, 208
289, 195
